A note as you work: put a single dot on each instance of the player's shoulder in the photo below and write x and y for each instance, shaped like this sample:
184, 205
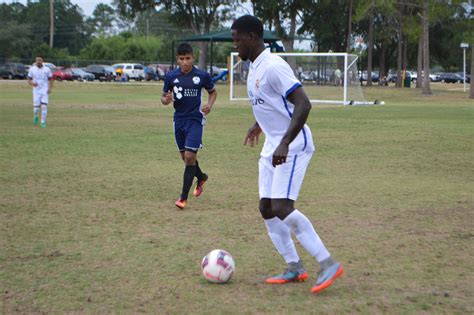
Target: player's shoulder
172, 74
199, 72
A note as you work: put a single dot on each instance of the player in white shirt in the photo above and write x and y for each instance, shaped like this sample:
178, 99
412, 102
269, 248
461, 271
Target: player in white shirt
281, 107
41, 79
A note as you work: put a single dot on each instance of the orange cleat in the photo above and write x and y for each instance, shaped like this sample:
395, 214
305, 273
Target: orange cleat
287, 277
180, 203
326, 277
199, 187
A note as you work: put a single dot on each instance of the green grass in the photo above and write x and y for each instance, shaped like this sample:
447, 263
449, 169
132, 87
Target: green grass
88, 222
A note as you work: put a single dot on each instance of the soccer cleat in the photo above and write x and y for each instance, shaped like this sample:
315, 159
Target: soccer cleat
43, 124
35, 120
180, 203
288, 276
200, 185
327, 276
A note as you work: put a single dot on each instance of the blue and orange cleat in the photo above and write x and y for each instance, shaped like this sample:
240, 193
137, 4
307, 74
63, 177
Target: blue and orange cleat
180, 203
327, 276
288, 276
200, 185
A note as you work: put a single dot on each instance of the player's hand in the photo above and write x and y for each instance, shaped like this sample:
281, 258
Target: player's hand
34, 84
167, 98
251, 139
49, 91
280, 154
206, 109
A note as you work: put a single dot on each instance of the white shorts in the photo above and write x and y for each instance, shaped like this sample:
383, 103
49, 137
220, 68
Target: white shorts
285, 180
40, 98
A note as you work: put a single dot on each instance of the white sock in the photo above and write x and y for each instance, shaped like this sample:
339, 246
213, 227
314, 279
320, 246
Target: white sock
280, 235
36, 110
44, 113
306, 235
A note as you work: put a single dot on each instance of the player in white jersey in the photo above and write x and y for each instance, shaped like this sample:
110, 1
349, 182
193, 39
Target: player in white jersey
40, 78
281, 107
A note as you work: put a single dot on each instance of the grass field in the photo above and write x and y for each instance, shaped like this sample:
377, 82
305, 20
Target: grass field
88, 222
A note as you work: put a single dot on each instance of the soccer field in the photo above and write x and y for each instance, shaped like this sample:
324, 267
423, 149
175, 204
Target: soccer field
88, 222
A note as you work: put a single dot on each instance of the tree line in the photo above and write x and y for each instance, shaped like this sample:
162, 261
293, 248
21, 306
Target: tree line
388, 34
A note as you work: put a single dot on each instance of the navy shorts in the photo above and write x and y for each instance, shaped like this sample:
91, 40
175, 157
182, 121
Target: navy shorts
188, 134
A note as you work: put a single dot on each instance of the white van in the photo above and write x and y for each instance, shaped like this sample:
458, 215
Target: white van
134, 71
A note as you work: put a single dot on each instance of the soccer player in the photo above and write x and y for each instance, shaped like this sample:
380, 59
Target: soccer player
41, 79
183, 87
281, 107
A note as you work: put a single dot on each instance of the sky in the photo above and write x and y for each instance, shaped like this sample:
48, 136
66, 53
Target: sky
87, 6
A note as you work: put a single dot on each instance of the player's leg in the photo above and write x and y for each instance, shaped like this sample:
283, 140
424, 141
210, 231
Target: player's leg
279, 233
180, 138
195, 130
286, 185
36, 107
44, 108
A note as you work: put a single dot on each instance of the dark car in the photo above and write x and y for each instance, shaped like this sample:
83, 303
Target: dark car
150, 73
468, 77
101, 72
13, 71
448, 77
81, 75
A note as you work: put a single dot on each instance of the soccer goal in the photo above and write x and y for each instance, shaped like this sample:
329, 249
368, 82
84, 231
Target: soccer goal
328, 78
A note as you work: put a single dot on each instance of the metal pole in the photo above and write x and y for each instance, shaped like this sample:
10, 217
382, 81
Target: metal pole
464, 67
51, 23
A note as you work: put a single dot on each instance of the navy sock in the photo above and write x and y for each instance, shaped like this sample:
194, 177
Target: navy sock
189, 173
199, 173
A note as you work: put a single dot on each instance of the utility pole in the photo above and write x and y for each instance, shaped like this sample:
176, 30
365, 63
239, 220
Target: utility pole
51, 23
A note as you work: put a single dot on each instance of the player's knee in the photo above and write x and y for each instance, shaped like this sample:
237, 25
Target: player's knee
265, 207
189, 157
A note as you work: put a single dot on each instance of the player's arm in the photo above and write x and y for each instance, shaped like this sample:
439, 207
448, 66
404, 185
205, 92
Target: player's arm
300, 114
167, 96
253, 133
206, 109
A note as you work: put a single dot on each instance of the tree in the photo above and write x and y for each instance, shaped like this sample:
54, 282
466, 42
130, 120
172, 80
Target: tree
15, 40
198, 15
426, 49
102, 20
283, 15
471, 94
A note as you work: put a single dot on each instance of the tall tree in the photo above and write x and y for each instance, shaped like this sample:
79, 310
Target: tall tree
198, 15
282, 15
471, 94
426, 48
102, 20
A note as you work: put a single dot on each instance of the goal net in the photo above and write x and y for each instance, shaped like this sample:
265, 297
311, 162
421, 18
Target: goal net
330, 78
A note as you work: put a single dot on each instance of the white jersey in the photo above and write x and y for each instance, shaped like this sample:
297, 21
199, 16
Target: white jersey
40, 76
270, 81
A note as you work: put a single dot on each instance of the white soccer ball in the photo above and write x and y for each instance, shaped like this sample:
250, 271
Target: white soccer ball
218, 266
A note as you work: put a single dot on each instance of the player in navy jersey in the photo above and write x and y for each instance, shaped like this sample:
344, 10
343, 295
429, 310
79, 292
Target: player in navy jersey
183, 87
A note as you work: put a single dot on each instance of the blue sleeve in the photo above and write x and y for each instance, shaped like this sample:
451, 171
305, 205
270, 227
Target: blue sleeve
207, 82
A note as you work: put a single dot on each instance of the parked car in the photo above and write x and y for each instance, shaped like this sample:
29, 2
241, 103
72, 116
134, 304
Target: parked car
449, 77
81, 75
101, 72
134, 71
150, 73
13, 71
161, 70
61, 74
468, 77
363, 76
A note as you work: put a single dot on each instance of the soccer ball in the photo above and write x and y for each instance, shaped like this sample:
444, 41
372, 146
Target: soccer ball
218, 266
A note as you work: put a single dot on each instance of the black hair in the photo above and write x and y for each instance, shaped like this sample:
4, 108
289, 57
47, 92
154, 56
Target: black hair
184, 49
40, 56
248, 24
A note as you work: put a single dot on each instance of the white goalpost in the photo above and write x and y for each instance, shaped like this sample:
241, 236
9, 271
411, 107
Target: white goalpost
328, 78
